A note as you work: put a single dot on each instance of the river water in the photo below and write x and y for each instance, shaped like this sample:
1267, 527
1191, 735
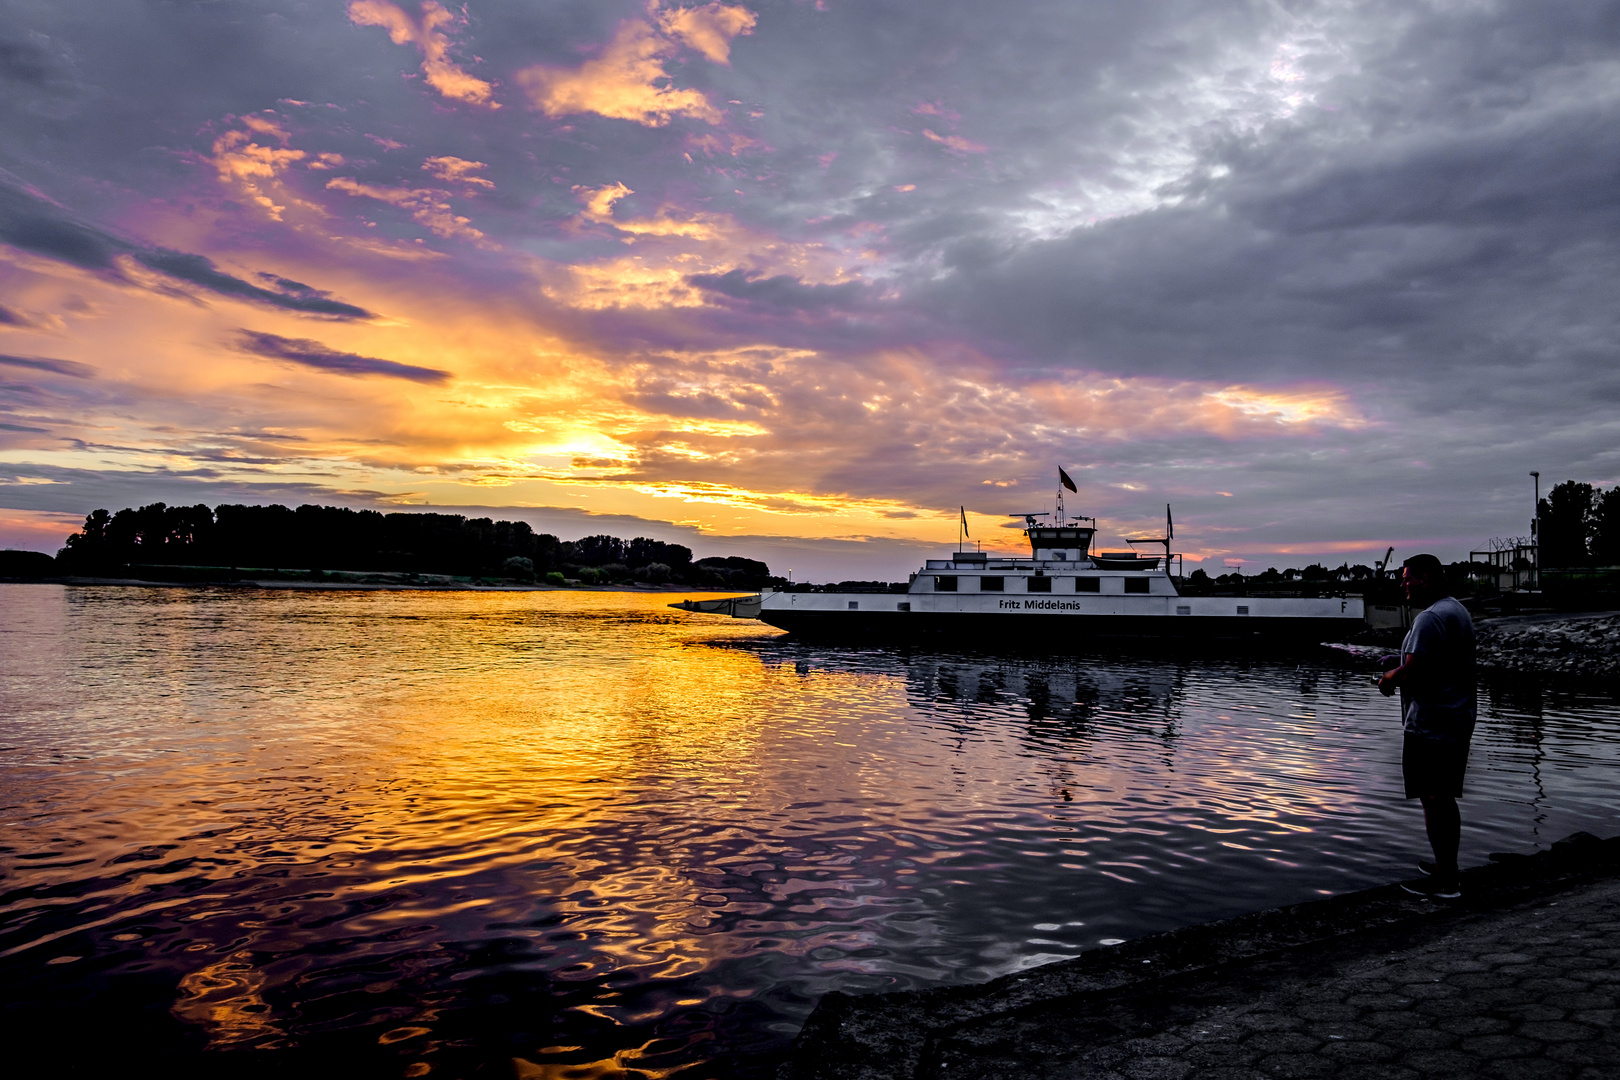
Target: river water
581, 835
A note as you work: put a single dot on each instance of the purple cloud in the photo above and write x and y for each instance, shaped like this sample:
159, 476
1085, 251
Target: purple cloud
313, 354
35, 225
70, 368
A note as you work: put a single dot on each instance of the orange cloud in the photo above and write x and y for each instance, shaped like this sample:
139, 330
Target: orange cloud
628, 283
628, 81
708, 30
1309, 405
457, 170
445, 77
622, 83
955, 142
599, 203
252, 166
426, 205
1120, 408
673, 245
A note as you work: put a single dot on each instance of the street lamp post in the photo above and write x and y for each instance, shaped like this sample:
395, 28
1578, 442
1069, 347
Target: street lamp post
1535, 518
1535, 539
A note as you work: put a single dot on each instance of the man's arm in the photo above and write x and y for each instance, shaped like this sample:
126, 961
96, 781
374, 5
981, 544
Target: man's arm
1416, 665
1413, 667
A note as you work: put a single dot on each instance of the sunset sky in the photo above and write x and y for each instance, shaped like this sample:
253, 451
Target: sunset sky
797, 278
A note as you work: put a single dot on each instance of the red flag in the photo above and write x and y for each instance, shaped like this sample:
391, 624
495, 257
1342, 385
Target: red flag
1063, 478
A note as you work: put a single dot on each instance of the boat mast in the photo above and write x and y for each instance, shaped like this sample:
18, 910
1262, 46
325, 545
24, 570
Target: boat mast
1169, 535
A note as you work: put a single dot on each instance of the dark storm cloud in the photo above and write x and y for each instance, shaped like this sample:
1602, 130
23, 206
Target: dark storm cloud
313, 354
200, 271
34, 225
11, 318
44, 363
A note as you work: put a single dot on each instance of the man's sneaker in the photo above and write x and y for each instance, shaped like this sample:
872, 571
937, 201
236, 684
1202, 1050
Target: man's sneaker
1434, 888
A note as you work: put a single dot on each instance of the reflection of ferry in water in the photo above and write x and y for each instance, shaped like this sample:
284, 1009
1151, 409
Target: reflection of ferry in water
1063, 592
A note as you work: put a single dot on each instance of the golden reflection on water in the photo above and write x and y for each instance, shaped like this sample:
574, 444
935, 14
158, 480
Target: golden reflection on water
647, 838
224, 999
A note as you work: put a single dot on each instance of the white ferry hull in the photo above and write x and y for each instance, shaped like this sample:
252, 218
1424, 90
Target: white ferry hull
1062, 619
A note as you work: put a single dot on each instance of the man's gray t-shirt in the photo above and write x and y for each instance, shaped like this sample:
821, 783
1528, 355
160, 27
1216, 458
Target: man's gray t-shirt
1439, 702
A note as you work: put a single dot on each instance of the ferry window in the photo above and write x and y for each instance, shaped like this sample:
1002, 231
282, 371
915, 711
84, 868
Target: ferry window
1136, 585
992, 584
1060, 556
1183, 609
854, 605
1040, 584
903, 606
1243, 609
1088, 584
945, 583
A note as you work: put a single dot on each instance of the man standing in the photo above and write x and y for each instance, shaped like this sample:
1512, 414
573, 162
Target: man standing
1438, 708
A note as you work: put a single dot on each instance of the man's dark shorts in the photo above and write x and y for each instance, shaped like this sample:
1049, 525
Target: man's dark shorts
1433, 767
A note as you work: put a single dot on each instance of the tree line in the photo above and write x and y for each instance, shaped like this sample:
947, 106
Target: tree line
1579, 525
337, 538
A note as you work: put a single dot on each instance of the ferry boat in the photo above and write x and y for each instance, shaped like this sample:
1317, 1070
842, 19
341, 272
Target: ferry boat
1063, 592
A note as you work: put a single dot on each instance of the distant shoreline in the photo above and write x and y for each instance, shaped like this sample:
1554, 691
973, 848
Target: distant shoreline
339, 585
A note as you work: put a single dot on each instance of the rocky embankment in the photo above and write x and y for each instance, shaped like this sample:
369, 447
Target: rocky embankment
1585, 647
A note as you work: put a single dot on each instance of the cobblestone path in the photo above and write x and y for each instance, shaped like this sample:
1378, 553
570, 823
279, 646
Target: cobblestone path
1520, 994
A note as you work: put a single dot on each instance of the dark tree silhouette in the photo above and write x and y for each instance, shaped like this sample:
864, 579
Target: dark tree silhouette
337, 538
1565, 520
1605, 534
733, 571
